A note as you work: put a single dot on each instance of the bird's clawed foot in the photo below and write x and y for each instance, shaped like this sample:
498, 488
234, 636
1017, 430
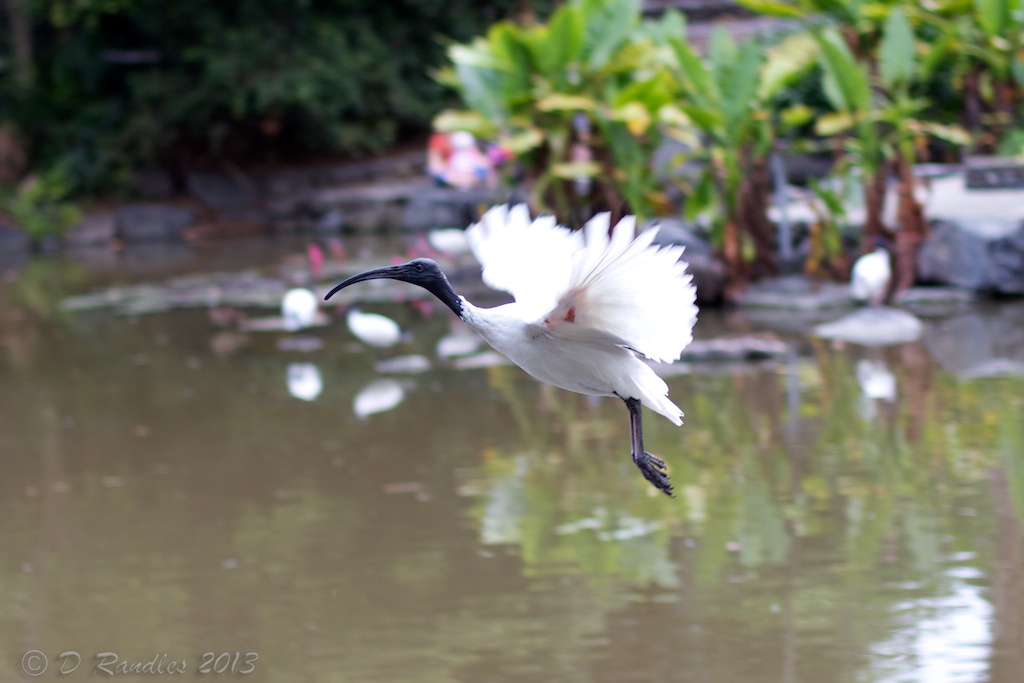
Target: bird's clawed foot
654, 471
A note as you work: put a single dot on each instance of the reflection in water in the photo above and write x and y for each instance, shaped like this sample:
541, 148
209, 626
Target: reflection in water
304, 381
942, 639
164, 493
379, 396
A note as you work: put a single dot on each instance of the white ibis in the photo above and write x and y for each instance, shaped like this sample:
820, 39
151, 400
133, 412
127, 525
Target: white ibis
372, 328
298, 308
870, 276
587, 305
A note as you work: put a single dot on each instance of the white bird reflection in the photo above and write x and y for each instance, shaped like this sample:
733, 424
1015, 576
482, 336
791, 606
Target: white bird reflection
379, 396
304, 381
460, 343
877, 383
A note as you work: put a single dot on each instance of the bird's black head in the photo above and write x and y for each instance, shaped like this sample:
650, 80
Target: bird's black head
422, 272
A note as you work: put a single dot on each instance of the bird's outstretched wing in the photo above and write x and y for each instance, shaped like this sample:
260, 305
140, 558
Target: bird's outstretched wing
590, 286
531, 260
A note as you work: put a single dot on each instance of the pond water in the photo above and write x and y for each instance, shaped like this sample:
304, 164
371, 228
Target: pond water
173, 490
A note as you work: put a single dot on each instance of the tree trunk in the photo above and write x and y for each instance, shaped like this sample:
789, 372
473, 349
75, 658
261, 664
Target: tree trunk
875, 188
752, 217
19, 13
913, 227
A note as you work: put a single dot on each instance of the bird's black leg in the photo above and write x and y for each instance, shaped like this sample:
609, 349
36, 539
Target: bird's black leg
652, 467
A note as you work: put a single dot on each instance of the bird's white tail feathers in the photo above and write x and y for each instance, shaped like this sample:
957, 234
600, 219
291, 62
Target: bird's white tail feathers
653, 393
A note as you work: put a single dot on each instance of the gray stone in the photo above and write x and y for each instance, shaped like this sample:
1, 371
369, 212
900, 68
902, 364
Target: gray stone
14, 240
331, 222
978, 255
154, 222
708, 277
96, 229
734, 349
797, 293
873, 326
982, 342
222, 190
154, 184
934, 301
677, 231
432, 207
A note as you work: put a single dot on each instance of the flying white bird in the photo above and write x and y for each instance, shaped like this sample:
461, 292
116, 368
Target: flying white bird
587, 305
298, 308
869, 278
372, 328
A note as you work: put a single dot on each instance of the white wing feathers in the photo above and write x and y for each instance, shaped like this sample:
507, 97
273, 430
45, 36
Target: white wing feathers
532, 261
588, 286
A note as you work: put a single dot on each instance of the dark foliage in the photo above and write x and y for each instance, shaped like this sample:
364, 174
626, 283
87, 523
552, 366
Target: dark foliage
121, 83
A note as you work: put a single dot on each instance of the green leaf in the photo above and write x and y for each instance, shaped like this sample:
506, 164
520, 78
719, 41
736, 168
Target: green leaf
834, 123
1018, 69
564, 102
774, 8
524, 141
786, 63
607, 25
953, 134
472, 121
708, 120
696, 79
796, 116
671, 24
993, 15
481, 88
742, 86
701, 199
846, 80
653, 92
570, 170
564, 40
722, 55
896, 54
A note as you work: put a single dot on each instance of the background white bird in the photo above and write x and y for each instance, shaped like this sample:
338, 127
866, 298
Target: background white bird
299, 308
372, 328
870, 276
587, 305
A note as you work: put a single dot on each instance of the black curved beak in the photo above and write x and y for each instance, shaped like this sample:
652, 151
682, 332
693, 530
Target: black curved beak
401, 272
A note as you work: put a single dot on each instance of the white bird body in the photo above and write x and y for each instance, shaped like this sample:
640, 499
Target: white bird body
603, 368
869, 278
587, 304
373, 329
299, 307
